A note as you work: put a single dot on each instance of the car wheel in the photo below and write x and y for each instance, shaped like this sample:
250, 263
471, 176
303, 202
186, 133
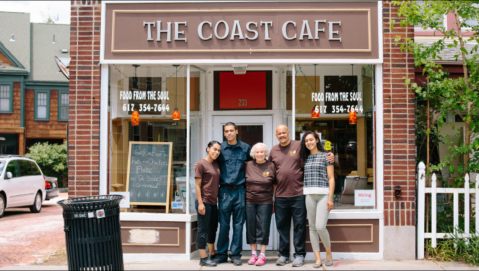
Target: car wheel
2, 205
37, 204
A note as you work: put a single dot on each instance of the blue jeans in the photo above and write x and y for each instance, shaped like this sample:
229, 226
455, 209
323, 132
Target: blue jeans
232, 203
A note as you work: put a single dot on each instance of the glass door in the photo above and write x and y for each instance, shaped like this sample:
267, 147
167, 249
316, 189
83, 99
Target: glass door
251, 130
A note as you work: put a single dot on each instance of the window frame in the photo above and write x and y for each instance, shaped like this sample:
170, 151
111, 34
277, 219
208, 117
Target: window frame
35, 111
10, 84
60, 92
377, 187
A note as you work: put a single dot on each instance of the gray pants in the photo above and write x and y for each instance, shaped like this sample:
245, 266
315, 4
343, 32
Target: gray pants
318, 214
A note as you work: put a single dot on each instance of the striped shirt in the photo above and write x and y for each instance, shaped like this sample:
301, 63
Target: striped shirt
316, 175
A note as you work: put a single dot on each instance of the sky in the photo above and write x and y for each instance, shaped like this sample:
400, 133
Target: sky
40, 10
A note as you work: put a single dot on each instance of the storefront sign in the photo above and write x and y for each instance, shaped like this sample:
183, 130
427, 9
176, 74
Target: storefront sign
222, 31
145, 101
137, 31
364, 198
340, 95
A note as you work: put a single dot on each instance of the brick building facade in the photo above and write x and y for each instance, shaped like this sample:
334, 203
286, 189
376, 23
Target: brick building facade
397, 149
84, 121
399, 135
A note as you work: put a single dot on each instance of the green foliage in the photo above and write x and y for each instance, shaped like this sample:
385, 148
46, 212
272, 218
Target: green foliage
422, 132
52, 159
457, 95
455, 249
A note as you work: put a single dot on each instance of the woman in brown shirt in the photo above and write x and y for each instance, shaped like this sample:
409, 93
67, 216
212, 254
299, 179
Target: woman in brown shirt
207, 179
260, 183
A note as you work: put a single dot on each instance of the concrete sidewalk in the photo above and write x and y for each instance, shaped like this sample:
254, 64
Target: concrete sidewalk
339, 265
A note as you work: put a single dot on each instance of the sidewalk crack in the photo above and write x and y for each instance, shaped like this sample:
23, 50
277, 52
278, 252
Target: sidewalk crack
439, 265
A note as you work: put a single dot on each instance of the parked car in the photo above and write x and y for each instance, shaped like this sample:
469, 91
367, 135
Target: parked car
22, 184
51, 188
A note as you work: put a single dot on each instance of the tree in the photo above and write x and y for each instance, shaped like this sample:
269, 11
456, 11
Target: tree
457, 95
48, 18
52, 159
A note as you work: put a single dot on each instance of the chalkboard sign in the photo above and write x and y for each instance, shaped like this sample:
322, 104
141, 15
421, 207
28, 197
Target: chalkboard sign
149, 173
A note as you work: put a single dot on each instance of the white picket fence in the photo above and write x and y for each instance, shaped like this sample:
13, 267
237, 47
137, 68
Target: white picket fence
421, 209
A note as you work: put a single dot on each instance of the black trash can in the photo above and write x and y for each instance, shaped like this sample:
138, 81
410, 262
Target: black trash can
92, 232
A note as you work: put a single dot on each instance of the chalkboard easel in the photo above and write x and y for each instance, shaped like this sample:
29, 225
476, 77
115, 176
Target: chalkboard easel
149, 173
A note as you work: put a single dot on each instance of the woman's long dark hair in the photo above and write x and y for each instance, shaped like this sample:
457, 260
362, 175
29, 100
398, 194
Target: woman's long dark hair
304, 153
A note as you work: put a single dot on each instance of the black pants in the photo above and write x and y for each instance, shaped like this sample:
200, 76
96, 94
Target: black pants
258, 222
207, 225
285, 209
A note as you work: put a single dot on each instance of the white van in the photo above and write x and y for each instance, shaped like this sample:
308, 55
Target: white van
22, 184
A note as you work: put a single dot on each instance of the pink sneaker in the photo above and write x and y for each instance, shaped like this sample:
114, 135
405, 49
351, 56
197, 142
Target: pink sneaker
261, 260
253, 259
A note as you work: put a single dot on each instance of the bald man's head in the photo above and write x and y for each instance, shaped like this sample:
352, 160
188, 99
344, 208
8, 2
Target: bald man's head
282, 134
281, 127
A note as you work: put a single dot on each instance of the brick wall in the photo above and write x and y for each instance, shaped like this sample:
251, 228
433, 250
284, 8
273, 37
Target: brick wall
43, 129
84, 113
399, 128
12, 120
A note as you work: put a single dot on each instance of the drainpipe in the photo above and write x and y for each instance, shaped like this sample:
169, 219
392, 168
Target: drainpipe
22, 113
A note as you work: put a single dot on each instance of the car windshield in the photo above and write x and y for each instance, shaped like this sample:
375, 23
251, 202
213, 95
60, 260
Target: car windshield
2, 165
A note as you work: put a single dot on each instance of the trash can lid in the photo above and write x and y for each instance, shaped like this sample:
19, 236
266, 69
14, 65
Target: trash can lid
90, 202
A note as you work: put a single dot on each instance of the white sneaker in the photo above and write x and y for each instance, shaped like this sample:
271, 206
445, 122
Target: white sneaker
282, 261
298, 261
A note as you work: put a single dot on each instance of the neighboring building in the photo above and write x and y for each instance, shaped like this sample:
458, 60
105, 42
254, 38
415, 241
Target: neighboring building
33, 92
155, 56
456, 70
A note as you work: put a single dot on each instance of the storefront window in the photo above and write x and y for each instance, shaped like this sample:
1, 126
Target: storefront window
325, 97
197, 149
147, 145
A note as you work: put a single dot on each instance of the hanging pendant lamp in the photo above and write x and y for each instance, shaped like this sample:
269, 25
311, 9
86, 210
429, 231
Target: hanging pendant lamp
135, 116
315, 111
353, 116
176, 113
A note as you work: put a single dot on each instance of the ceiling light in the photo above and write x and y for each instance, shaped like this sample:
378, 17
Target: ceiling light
239, 69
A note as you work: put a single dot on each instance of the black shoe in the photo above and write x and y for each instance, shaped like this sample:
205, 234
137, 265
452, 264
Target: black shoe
211, 257
236, 260
218, 259
207, 262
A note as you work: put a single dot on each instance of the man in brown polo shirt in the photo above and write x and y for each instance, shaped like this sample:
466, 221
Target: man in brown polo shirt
289, 201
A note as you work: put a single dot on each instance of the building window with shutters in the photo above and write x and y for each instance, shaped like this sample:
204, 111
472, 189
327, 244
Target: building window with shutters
42, 105
6, 98
63, 105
